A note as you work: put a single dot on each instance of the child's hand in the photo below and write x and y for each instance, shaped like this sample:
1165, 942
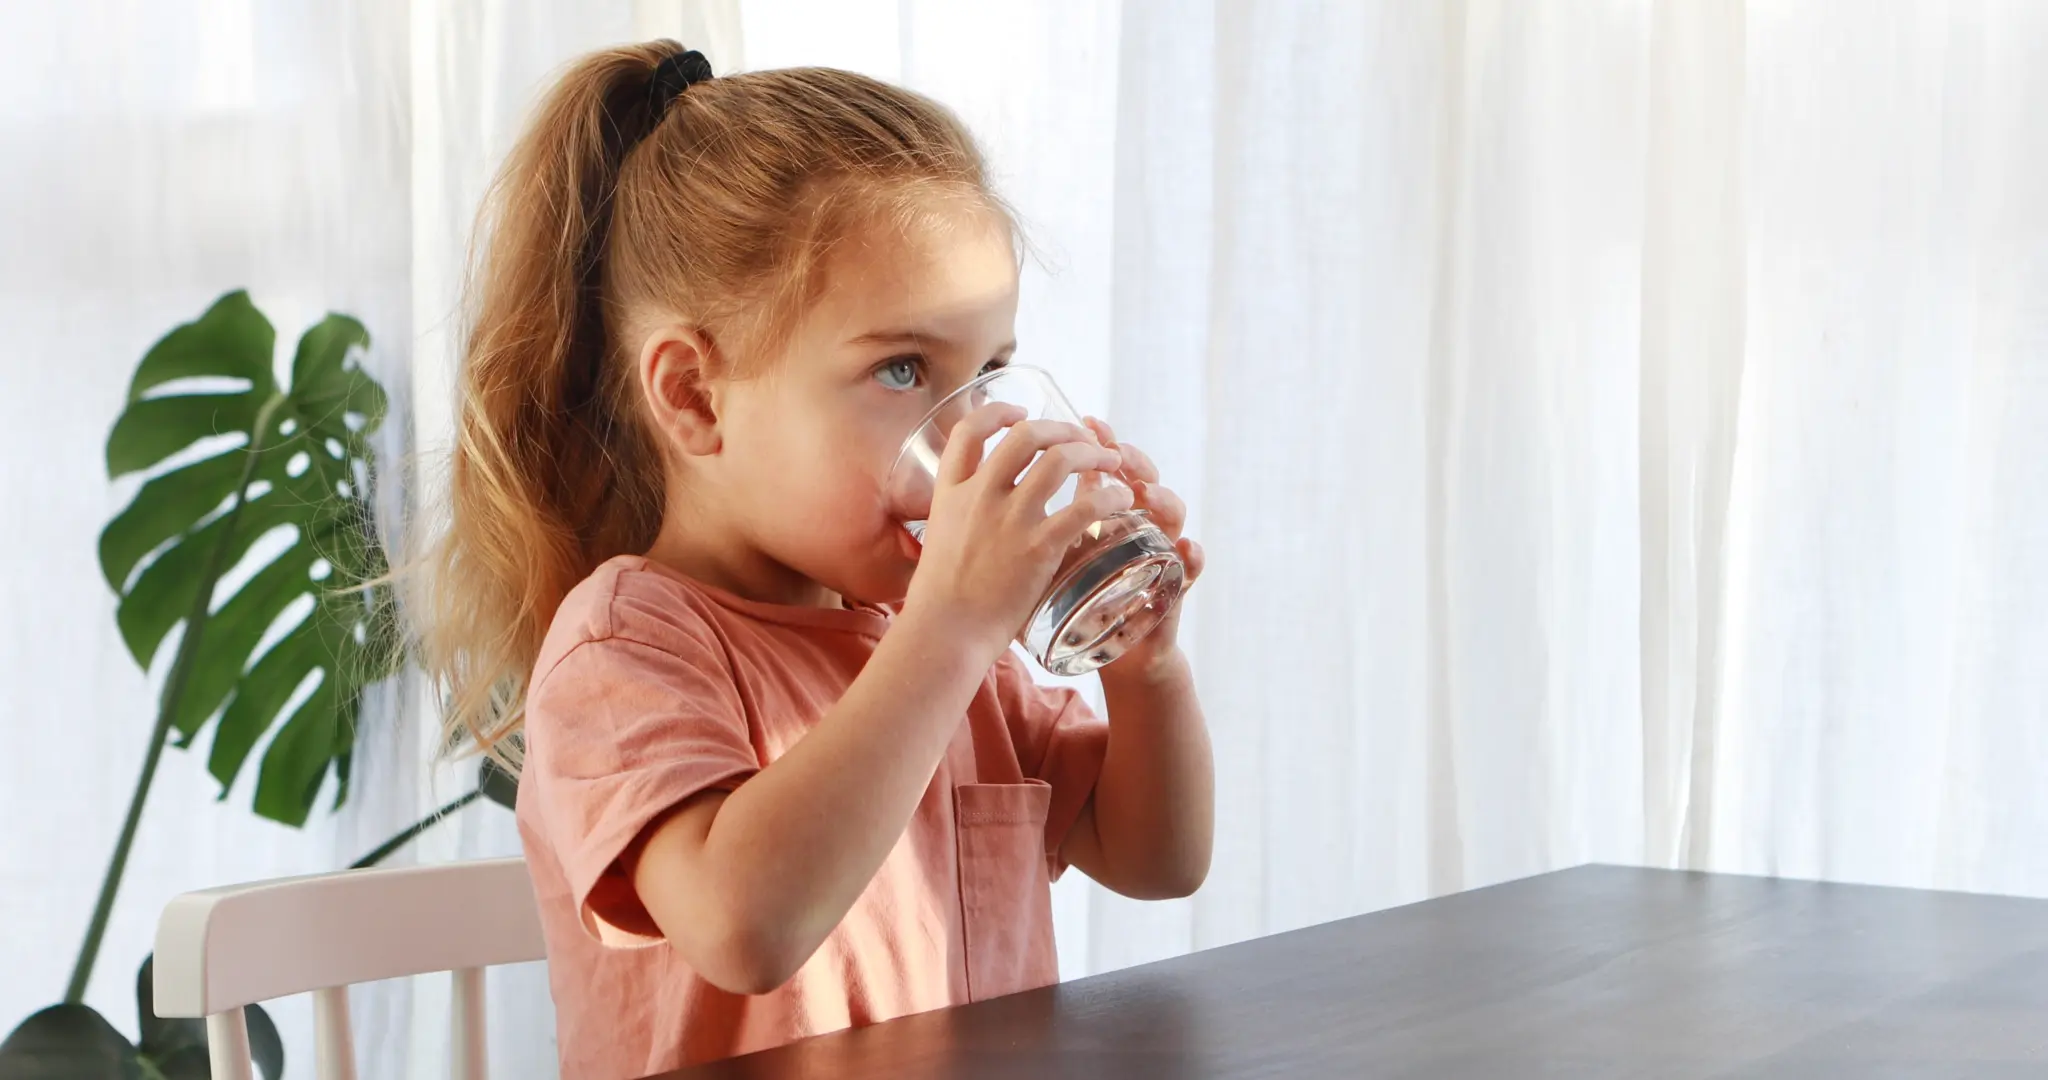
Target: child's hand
990, 549
1171, 515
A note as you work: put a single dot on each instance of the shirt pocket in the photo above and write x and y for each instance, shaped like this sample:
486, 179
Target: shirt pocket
1005, 889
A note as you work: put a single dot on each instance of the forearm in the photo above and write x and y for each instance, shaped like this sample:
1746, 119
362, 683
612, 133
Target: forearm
791, 849
1154, 805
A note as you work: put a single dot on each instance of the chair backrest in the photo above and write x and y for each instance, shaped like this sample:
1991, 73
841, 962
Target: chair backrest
221, 949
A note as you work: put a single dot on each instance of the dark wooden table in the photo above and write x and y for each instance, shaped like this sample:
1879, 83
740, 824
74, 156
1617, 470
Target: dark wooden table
1593, 972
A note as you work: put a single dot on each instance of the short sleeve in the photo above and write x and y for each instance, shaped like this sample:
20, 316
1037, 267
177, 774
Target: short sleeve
1059, 740
619, 732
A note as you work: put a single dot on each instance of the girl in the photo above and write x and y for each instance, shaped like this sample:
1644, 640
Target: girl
781, 773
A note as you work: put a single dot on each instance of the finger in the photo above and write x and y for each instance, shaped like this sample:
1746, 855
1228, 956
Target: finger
1064, 527
1102, 430
1193, 558
1138, 464
1168, 511
1088, 481
1052, 468
1027, 440
963, 444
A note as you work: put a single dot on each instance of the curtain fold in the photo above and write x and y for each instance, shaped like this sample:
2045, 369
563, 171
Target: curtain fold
1693, 309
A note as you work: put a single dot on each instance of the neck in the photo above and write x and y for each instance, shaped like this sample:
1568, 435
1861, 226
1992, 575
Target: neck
705, 549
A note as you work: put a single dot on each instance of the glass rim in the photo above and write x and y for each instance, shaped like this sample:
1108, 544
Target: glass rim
983, 379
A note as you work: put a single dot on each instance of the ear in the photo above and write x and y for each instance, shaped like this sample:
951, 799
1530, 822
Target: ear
672, 368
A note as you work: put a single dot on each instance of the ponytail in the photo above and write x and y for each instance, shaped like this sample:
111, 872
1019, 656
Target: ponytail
553, 469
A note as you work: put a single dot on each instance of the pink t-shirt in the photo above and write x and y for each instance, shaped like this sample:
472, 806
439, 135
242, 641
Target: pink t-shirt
652, 687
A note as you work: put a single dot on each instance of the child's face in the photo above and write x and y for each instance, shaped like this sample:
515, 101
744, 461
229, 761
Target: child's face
903, 321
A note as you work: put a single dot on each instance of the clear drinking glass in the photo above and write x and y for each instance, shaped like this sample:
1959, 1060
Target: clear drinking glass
1113, 586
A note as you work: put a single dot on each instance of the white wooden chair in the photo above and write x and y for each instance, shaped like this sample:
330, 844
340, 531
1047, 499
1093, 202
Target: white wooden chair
221, 949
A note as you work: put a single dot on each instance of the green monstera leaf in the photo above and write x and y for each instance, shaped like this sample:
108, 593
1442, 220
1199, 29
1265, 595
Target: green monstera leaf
294, 643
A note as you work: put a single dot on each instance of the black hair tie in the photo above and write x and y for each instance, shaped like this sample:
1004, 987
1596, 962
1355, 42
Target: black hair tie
676, 73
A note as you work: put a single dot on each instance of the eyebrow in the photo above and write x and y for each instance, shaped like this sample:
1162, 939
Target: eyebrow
920, 338
896, 337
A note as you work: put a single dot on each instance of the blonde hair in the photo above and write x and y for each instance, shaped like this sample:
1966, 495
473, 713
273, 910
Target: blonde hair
718, 210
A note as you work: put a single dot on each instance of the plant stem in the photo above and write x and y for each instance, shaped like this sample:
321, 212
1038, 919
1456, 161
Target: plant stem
405, 835
167, 708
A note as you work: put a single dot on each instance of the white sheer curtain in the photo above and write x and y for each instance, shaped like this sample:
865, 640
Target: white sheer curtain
155, 156
1620, 429
1881, 709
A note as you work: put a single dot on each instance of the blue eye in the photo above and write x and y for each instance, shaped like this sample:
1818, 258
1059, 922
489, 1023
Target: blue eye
902, 373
